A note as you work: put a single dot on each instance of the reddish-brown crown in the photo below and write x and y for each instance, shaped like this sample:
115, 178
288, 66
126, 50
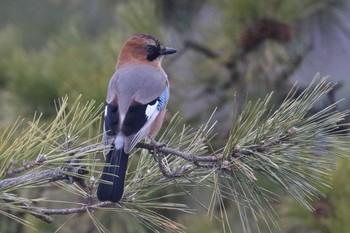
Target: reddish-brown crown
136, 50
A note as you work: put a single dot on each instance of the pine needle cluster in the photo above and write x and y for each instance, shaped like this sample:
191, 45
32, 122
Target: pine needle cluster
285, 146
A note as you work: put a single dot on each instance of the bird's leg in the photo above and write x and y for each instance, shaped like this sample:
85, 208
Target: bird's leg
156, 144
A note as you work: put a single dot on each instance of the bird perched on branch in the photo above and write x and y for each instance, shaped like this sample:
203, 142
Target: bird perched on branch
136, 102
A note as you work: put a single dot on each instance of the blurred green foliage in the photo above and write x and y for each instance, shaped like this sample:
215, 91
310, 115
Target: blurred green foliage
331, 213
57, 47
67, 64
66, 57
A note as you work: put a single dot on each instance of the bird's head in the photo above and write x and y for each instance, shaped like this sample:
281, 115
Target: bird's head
142, 48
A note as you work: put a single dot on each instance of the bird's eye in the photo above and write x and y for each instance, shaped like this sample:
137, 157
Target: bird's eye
151, 48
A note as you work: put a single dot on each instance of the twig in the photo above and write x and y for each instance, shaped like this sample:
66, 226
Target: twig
201, 48
36, 213
42, 158
185, 156
48, 175
91, 188
83, 209
263, 146
44, 214
166, 171
27, 165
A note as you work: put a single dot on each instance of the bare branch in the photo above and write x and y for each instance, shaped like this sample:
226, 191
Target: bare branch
201, 49
83, 209
185, 156
48, 175
36, 213
263, 146
27, 165
168, 173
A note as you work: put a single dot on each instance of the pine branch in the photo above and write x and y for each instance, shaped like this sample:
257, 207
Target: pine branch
78, 210
60, 173
48, 175
180, 154
44, 213
279, 145
27, 166
36, 212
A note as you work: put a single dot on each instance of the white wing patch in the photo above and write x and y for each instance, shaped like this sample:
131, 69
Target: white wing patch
106, 110
151, 113
150, 109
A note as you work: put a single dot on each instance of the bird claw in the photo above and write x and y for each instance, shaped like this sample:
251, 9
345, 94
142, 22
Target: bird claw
156, 145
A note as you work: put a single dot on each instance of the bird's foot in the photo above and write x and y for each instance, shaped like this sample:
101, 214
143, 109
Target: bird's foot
156, 145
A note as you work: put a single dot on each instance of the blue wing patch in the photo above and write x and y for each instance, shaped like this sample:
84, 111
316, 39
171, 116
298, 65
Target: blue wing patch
138, 114
163, 98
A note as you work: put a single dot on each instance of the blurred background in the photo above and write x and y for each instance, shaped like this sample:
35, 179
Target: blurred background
228, 51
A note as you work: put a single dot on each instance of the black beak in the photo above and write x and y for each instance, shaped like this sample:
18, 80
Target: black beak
167, 51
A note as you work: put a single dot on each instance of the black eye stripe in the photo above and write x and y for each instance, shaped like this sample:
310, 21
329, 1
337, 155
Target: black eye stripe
153, 56
152, 52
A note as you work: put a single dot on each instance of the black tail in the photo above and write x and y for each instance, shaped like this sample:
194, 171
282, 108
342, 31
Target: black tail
114, 173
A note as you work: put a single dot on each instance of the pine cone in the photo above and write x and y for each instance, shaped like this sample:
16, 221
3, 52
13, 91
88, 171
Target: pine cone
263, 29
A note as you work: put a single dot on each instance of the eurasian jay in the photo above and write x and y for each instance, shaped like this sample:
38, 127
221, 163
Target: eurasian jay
136, 102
